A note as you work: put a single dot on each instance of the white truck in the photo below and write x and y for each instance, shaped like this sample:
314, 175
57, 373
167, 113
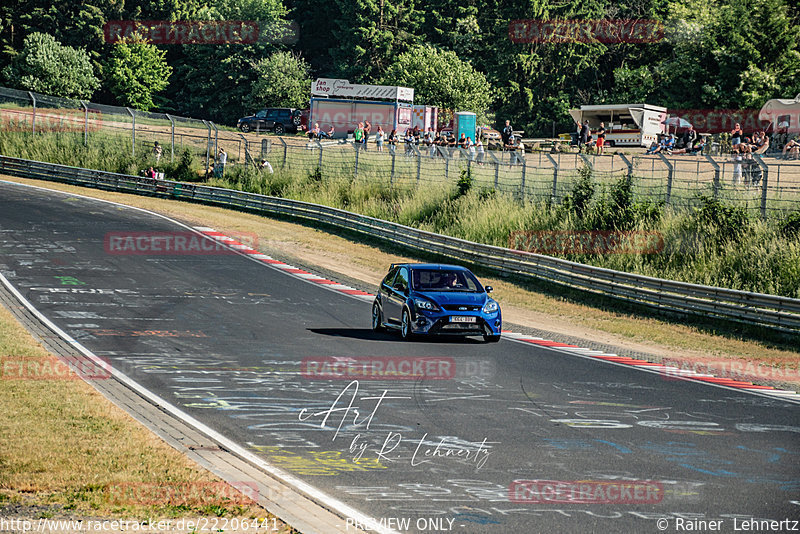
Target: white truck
625, 124
783, 114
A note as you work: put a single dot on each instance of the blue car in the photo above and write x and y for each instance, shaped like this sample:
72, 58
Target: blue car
422, 298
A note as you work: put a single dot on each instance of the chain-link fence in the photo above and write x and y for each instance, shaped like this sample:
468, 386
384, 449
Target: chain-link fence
765, 186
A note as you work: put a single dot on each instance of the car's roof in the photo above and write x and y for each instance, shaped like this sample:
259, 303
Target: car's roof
435, 266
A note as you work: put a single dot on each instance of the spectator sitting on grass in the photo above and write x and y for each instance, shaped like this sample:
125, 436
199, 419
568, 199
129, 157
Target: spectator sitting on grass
697, 148
792, 147
265, 165
315, 132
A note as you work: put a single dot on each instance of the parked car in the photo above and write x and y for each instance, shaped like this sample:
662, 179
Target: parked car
278, 120
422, 298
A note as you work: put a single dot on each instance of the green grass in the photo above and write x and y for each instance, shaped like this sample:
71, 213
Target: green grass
705, 242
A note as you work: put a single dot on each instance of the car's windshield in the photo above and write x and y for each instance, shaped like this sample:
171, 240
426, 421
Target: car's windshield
445, 280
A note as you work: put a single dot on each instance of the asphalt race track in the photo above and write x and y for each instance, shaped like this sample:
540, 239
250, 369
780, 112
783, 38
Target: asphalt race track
225, 338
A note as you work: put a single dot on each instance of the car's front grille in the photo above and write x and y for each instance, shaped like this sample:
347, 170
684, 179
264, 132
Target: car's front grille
460, 307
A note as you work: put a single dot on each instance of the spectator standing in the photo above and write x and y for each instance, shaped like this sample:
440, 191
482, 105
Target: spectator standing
508, 131
737, 165
689, 138
157, 151
736, 135
222, 159
479, 149
392, 140
379, 138
583, 138
367, 130
472, 150
601, 137
358, 136
409, 141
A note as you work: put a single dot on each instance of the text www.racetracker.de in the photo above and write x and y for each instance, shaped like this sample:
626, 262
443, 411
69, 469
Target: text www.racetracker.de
118, 525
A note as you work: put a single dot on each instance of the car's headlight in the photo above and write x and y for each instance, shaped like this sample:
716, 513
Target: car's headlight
425, 305
490, 307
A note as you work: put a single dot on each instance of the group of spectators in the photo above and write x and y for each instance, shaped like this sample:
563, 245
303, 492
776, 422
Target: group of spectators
688, 143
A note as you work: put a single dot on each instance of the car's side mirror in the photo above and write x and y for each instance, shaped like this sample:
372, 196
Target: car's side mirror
489, 289
400, 287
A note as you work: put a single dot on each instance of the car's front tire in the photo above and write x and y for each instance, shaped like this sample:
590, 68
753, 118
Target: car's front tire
377, 320
245, 127
405, 325
491, 338
279, 129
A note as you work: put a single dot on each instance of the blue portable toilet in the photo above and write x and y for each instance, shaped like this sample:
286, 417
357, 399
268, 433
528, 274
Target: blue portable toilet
466, 123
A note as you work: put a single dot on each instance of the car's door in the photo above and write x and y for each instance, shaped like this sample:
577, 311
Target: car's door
272, 116
260, 117
393, 306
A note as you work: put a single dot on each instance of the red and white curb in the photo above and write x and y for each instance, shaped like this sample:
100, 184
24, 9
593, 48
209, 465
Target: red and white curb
667, 371
289, 269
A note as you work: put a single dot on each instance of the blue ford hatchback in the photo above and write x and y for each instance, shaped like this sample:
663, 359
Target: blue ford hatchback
422, 298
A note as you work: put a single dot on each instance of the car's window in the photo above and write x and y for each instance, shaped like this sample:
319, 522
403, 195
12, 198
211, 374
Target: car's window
387, 281
445, 280
273, 114
261, 114
402, 279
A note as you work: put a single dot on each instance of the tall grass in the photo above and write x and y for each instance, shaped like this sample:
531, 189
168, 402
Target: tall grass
713, 243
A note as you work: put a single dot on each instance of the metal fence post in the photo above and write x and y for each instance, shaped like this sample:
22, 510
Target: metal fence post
319, 145
391, 177
554, 192
629, 164
764, 184
216, 138
133, 131
356, 146
208, 146
285, 151
522, 184
496, 169
171, 138
33, 124
716, 174
419, 163
670, 170
85, 123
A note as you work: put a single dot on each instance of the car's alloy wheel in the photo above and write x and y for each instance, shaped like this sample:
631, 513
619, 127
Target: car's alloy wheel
245, 127
279, 129
377, 321
405, 325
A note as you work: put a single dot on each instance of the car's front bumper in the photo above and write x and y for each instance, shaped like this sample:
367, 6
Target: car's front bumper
441, 323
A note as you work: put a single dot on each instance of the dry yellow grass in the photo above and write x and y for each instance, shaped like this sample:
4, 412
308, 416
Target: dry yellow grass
64, 445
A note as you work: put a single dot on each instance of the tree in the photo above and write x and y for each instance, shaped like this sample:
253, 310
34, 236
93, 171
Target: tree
46, 66
283, 81
440, 78
368, 34
136, 70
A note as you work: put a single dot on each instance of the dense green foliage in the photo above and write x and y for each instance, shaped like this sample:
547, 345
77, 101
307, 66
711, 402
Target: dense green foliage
136, 71
462, 89
715, 54
46, 66
283, 81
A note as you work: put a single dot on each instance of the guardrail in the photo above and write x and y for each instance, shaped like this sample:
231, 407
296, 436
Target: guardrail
770, 311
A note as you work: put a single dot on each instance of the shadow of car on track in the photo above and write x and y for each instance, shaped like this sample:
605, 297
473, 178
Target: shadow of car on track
370, 335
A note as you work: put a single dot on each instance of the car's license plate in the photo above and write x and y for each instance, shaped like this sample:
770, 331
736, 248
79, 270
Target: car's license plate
462, 319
